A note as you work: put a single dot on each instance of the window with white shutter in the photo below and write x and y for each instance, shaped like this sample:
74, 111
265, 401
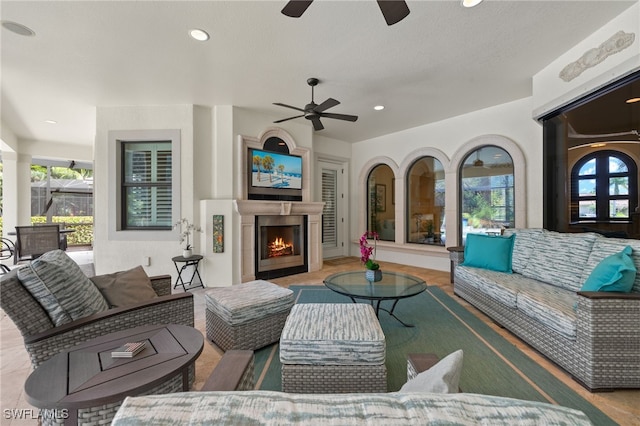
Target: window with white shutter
330, 212
146, 185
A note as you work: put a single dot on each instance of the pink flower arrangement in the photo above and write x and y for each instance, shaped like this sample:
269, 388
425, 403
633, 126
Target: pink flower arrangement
368, 253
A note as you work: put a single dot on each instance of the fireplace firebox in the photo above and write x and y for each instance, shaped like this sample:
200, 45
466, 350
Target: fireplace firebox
281, 246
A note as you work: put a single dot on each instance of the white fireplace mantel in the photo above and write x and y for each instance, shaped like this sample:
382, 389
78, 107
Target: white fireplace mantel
283, 208
249, 209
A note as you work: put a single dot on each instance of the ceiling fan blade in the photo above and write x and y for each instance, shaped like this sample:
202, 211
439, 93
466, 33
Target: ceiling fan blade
295, 8
329, 103
340, 116
317, 125
393, 11
288, 106
287, 119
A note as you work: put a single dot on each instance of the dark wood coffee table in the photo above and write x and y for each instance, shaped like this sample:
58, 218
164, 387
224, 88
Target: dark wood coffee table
86, 384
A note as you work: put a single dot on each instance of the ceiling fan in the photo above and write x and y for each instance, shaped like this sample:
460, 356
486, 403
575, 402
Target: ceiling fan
393, 11
314, 112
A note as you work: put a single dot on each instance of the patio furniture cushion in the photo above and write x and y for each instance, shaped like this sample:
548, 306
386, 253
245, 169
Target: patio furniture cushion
61, 287
444, 377
523, 246
559, 258
125, 288
489, 252
614, 273
243, 303
604, 247
332, 334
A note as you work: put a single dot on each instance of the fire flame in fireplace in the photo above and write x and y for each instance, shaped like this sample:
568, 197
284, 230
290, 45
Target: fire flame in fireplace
278, 247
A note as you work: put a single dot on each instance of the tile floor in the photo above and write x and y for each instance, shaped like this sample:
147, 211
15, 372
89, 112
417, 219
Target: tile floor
622, 406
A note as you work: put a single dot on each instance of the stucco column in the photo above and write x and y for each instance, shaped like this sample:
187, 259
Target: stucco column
16, 208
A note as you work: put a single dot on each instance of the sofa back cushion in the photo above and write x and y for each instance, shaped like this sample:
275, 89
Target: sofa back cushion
60, 286
560, 258
604, 247
523, 246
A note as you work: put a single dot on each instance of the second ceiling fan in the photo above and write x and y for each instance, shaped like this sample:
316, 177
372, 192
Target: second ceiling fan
313, 111
393, 11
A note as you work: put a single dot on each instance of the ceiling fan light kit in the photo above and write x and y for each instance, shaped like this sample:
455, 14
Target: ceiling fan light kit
314, 112
393, 11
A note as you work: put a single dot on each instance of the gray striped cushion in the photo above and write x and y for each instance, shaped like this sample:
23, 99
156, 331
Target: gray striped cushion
243, 303
559, 258
551, 306
604, 247
332, 334
523, 246
390, 409
502, 286
61, 287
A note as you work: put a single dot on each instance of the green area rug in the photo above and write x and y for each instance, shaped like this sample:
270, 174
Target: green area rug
492, 365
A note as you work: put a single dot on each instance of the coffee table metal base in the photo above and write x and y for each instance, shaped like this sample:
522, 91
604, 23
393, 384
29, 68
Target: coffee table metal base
379, 308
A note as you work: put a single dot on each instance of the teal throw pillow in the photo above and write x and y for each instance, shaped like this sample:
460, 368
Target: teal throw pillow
489, 252
614, 273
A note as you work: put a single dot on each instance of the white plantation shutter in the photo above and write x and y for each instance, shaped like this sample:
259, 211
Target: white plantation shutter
147, 185
330, 212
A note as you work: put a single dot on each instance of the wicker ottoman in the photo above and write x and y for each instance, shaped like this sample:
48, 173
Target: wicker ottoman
247, 316
333, 348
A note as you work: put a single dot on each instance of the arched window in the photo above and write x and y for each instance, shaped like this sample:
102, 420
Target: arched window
486, 186
604, 187
381, 215
425, 201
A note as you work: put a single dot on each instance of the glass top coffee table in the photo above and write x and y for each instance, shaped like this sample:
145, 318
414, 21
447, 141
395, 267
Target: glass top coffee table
393, 286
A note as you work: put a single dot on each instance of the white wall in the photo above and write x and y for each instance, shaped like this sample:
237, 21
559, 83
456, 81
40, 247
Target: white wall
511, 120
114, 255
551, 92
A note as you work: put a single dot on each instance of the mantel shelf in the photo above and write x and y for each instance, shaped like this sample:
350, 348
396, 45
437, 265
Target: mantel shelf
284, 208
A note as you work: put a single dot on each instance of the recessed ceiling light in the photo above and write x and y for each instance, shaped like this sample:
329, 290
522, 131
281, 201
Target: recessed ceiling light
632, 100
198, 34
51, 121
19, 29
471, 3
378, 107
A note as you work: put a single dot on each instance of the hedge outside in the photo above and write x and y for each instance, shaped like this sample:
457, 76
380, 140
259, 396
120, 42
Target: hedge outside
83, 225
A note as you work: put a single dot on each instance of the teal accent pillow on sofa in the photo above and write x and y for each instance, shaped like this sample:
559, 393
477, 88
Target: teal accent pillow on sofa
614, 273
489, 252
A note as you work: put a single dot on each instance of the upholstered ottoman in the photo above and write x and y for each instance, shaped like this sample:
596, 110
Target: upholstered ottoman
247, 316
333, 348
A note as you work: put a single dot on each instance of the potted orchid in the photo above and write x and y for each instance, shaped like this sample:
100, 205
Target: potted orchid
368, 256
186, 228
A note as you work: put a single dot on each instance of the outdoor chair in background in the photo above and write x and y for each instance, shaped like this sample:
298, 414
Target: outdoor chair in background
34, 241
7, 252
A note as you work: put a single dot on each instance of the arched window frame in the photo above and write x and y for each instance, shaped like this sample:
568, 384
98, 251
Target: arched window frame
602, 176
425, 227
454, 198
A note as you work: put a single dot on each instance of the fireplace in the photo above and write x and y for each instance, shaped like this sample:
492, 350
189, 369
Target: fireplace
281, 244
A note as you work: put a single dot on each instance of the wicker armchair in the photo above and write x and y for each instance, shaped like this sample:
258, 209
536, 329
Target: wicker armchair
43, 340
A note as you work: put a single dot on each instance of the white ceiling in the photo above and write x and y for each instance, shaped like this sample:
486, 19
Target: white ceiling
441, 61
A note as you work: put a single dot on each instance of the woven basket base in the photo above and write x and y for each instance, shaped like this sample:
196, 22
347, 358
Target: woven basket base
298, 378
250, 336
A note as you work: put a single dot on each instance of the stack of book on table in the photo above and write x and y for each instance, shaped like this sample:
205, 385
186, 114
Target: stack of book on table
128, 350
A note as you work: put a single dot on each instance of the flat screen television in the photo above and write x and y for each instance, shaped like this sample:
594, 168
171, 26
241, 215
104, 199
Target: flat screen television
274, 176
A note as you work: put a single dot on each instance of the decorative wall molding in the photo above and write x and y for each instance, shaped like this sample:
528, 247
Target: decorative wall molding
592, 57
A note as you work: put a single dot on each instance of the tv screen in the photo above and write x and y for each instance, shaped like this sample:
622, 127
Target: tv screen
275, 170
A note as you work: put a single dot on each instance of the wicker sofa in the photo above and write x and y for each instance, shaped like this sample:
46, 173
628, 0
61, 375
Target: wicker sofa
43, 340
594, 336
